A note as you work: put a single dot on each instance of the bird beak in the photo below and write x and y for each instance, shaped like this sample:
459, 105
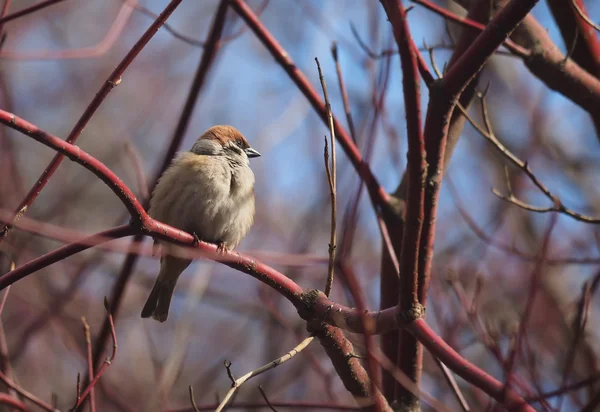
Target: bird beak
252, 153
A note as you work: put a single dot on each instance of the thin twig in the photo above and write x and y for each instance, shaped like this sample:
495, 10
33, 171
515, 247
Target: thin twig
579, 324
236, 383
449, 376
338, 69
88, 345
3, 303
583, 15
5, 362
107, 362
136, 163
8, 382
331, 174
534, 286
557, 206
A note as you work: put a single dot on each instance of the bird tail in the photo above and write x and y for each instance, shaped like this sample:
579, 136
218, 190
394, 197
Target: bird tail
159, 301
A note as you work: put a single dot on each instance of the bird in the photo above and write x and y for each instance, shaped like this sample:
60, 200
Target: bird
209, 192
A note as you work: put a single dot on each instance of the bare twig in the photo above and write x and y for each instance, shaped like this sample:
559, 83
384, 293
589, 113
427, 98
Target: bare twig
107, 362
5, 296
140, 176
338, 69
405, 381
534, 286
236, 383
584, 16
558, 206
331, 174
449, 376
579, 324
88, 345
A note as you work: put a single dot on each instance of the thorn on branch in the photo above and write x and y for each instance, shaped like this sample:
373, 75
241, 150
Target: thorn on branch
229, 373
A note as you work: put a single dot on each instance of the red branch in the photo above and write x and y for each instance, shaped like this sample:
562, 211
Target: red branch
103, 368
410, 353
465, 21
465, 369
6, 399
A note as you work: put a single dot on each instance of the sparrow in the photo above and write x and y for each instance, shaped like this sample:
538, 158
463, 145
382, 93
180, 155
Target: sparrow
209, 192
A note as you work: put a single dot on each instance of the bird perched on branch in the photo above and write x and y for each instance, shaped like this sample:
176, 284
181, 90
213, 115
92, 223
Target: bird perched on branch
208, 191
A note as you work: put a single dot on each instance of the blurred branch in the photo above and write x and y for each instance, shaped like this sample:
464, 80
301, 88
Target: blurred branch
28, 10
6, 399
136, 163
534, 286
196, 43
579, 325
88, 346
406, 382
99, 49
511, 249
465, 21
556, 70
107, 362
26, 394
489, 135
113, 80
469, 372
344, 92
147, 12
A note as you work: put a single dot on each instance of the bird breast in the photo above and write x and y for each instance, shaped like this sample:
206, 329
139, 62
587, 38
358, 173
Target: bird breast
206, 195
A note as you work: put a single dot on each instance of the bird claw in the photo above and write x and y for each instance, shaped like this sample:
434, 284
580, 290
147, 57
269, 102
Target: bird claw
221, 247
196, 241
